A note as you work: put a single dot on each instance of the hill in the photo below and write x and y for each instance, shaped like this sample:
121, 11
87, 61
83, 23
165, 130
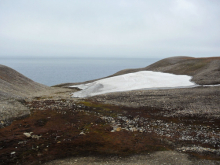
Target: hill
15, 89
15, 85
139, 122
205, 71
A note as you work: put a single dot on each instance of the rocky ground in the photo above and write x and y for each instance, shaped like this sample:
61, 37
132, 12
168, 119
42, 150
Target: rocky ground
117, 133
156, 158
45, 125
200, 101
12, 107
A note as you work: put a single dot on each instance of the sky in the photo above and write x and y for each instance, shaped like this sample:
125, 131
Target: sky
109, 28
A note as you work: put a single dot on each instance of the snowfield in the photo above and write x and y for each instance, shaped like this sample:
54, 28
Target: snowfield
133, 81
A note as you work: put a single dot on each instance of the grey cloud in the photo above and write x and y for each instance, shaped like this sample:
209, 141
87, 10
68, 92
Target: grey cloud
110, 28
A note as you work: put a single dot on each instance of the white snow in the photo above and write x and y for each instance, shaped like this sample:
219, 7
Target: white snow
133, 81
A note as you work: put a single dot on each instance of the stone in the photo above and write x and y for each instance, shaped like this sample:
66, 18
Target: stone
36, 137
135, 129
28, 134
82, 133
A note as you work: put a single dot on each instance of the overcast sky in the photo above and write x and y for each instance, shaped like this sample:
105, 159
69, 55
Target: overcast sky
110, 28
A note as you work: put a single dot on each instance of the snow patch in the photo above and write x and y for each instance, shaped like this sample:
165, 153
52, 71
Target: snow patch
133, 81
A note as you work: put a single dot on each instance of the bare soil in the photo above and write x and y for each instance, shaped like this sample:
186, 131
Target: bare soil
41, 124
198, 101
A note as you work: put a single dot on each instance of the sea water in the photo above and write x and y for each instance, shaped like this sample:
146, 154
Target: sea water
53, 71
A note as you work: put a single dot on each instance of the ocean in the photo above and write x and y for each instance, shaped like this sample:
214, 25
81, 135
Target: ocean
53, 71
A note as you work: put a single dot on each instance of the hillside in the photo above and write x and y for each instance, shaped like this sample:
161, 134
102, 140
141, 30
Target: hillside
14, 87
179, 124
13, 84
205, 71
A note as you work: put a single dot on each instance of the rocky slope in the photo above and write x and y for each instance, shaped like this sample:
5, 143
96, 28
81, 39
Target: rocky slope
117, 124
14, 87
205, 71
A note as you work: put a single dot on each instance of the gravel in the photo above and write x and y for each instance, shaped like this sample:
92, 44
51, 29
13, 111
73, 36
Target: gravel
199, 101
157, 158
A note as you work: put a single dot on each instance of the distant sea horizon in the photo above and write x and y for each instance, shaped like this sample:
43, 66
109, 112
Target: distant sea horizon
53, 71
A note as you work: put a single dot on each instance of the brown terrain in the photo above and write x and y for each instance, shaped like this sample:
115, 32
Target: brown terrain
205, 71
41, 124
14, 88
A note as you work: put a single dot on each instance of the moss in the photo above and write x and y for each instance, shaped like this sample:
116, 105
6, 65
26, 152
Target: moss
104, 109
43, 97
60, 133
96, 105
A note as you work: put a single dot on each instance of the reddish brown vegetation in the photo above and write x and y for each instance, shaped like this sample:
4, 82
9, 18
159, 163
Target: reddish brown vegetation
59, 136
63, 129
